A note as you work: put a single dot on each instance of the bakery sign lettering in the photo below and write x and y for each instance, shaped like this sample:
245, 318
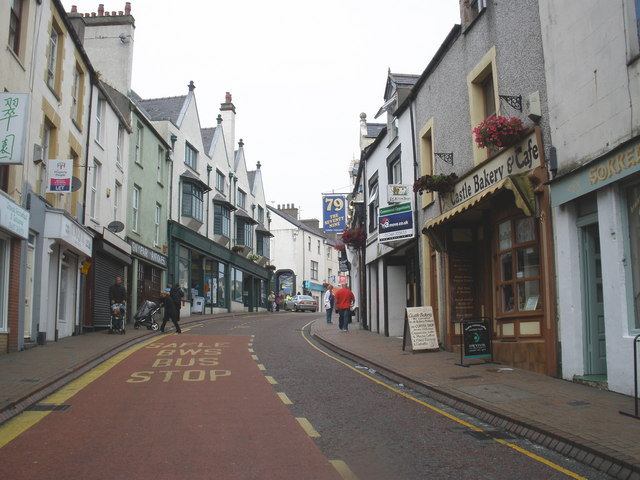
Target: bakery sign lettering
518, 159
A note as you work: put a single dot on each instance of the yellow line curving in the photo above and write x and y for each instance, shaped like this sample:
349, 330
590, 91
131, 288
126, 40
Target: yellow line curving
529, 454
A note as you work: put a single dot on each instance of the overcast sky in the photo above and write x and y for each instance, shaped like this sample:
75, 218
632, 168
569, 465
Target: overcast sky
300, 73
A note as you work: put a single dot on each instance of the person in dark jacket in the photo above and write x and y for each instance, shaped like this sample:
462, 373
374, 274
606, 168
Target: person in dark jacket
177, 294
117, 293
170, 311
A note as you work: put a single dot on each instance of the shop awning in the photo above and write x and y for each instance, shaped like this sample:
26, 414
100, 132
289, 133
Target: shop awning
518, 184
190, 177
260, 229
223, 201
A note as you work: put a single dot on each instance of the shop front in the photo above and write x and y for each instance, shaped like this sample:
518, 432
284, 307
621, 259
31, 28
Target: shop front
597, 219
214, 278
146, 275
495, 257
14, 230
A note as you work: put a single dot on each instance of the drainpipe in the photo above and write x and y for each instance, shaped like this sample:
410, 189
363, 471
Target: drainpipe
174, 138
209, 168
416, 172
86, 158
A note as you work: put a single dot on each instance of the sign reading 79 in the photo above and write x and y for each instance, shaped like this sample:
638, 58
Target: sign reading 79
334, 213
334, 204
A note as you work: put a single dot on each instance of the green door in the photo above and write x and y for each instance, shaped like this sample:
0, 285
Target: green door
595, 339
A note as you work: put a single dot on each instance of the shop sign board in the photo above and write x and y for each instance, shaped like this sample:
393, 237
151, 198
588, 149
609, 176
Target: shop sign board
13, 127
477, 339
522, 157
14, 218
147, 253
59, 173
421, 327
334, 213
399, 193
395, 223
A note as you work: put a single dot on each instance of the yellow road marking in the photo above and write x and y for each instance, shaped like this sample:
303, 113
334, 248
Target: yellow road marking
529, 454
261, 367
18, 425
307, 427
284, 398
255, 357
251, 350
271, 380
343, 470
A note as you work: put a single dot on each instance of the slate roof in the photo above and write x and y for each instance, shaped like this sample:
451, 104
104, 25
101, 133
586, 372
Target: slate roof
297, 222
374, 129
167, 108
207, 137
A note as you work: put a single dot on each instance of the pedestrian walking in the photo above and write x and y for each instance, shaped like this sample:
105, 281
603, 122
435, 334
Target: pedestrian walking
177, 294
344, 298
329, 301
271, 302
118, 294
170, 311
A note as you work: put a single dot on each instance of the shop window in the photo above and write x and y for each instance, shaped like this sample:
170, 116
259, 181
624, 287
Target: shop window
192, 200
236, 285
314, 270
426, 159
138, 147
519, 266
220, 286
633, 209
183, 269
190, 156
221, 220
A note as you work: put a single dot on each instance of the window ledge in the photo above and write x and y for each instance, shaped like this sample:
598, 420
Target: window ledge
139, 164
633, 59
52, 90
16, 57
97, 142
78, 126
160, 183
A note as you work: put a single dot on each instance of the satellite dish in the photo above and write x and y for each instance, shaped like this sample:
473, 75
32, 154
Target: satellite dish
115, 227
76, 184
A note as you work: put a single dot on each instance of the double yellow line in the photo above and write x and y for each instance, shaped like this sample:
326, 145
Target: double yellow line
470, 426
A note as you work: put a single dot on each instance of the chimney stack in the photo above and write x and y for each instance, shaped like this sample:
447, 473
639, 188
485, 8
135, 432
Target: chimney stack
127, 8
74, 9
101, 10
290, 209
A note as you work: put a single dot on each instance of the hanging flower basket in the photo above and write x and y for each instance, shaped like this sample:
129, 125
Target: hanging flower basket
498, 132
270, 267
354, 237
435, 183
340, 247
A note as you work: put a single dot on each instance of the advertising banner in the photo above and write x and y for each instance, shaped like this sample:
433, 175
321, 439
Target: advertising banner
395, 223
13, 127
334, 213
59, 173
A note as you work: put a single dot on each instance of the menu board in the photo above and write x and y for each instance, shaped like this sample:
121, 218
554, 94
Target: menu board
462, 288
422, 328
477, 339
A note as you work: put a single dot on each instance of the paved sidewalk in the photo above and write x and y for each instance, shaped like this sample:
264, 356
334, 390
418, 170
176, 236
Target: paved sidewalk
28, 376
576, 420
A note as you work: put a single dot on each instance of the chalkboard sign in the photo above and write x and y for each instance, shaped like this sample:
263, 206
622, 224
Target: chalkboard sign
477, 339
421, 326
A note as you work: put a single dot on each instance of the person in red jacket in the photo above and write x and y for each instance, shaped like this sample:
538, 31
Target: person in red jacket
344, 298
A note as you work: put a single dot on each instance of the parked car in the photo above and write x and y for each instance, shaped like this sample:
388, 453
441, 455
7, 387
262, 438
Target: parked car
300, 303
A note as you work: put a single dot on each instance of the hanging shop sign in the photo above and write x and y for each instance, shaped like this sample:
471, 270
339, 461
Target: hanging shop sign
59, 173
395, 223
398, 193
334, 213
421, 327
13, 127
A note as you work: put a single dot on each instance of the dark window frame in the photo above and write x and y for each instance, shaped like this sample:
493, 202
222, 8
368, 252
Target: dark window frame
193, 208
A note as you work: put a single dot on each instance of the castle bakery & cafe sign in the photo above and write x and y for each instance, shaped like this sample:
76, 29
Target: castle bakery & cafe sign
520, 158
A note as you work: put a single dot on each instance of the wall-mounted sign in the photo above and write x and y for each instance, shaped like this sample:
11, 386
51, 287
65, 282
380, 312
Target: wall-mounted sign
147, 253
13, 127
334, 213
399, 193
395, 223
59, 173
13, 218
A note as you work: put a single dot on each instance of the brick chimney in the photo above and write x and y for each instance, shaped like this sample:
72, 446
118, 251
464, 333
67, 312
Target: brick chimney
228, 114
313, 223
290, 209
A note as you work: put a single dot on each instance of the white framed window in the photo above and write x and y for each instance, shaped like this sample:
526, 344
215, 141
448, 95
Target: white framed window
119, 146
117, 198
190, 156
95, 184
319, 246
395, 171
158, 216
314, 270
138, 147
99, 119
241, 201
75, 94
53, 58
159, 163
220, 181
135, 207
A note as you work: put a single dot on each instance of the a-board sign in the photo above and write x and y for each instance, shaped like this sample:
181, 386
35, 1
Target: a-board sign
421, 325
477, 339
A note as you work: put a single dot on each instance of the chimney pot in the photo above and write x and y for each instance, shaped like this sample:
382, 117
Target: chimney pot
101, 10
74, 9
93, 14
127, 8
120, 12
227, 97
107, 13
114, 13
